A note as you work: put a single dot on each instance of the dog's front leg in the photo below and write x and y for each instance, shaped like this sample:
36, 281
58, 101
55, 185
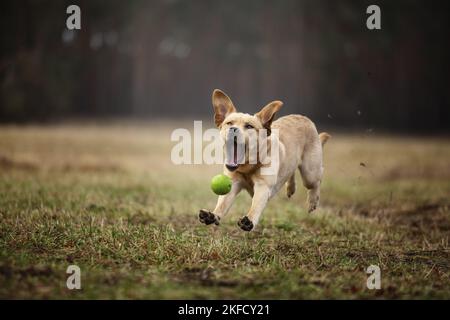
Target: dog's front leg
259, 202
223, 206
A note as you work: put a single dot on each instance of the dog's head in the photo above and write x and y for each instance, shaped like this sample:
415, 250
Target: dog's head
237, 128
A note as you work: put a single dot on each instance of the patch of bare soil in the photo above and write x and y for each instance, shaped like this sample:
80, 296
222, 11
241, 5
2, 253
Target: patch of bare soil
431, 216
9, 164
6, 163
8, 271
412, 172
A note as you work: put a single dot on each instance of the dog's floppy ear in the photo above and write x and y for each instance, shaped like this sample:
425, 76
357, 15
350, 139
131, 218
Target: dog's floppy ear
223, 106
267, 113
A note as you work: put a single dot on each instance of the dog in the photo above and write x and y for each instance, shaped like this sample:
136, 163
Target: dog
299, 147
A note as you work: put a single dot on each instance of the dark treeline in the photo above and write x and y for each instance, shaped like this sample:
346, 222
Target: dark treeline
163, 58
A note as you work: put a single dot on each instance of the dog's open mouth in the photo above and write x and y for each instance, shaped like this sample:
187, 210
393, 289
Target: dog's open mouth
234, 153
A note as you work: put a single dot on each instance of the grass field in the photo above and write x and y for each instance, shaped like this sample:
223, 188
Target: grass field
108, 199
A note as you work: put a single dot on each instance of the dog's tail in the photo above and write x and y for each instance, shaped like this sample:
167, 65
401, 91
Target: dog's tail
324, 138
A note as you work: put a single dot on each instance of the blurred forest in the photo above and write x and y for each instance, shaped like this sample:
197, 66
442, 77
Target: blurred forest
162, 59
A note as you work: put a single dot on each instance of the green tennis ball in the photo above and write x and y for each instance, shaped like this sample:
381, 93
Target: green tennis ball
221, 184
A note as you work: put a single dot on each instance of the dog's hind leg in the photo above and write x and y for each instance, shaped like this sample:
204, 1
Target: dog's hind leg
313, 197
311, 170
290, 186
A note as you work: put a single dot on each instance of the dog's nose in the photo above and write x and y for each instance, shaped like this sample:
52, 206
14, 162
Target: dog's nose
234, 129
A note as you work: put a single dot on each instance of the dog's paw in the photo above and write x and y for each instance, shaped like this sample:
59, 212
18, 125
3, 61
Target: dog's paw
312, 207
207, 217
245, 223
290, 190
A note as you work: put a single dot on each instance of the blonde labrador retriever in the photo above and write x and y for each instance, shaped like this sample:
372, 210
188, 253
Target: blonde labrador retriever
299, 146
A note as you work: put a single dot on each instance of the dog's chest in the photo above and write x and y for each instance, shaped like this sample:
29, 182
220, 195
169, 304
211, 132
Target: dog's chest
248, 182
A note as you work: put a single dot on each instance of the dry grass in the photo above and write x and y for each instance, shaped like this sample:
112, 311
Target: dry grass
108, 199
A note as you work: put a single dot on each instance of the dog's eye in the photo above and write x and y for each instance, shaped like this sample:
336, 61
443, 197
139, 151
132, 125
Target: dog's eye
229, 123
249, 126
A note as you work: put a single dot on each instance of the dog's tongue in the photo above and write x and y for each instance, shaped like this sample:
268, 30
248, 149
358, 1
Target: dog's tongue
235, 150
232, 157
